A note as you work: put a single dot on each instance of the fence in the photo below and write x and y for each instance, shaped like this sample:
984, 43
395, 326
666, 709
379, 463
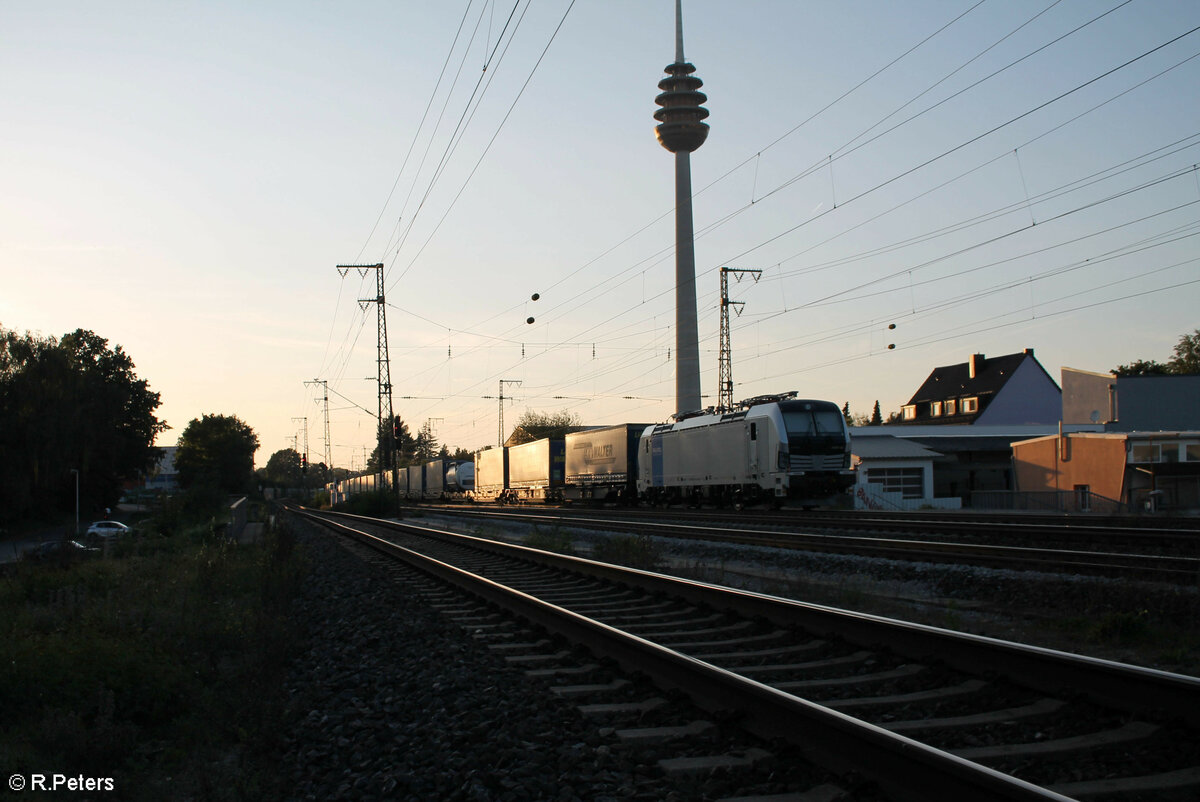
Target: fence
869, 496
1080, 501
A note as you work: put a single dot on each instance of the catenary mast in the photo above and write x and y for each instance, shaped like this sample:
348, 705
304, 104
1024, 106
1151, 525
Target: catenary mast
681, 130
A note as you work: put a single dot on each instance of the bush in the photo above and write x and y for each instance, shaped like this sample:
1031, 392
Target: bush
174, 649
636, 551
555, 540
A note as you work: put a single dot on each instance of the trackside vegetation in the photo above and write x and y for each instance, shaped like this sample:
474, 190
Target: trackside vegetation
159, 665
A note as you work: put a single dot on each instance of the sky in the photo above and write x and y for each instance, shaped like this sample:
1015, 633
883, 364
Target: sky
915, 181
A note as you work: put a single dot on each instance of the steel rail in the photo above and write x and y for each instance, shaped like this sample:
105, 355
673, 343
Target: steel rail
906, 769
1125, 687
1171, 568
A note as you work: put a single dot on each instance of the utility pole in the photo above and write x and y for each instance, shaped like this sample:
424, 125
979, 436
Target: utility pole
304, 453
500, 436
383, 377
725, 363
328, 454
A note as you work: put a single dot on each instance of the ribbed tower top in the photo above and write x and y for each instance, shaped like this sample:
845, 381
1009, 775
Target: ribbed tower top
681, 126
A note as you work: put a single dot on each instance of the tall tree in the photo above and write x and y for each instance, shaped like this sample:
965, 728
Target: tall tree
70, 409
425, 445
404, 446
283, 469
536, 425
1185, 361
1142, 367
1187, 354
217, 451
876, 416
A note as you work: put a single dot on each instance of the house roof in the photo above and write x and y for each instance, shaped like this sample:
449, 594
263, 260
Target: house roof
991, 374
888, 447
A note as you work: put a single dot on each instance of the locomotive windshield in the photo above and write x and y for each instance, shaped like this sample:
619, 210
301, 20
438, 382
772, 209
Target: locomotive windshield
814, 424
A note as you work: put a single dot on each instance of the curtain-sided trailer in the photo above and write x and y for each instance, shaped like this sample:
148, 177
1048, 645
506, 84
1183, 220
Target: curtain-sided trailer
601, 464
536, 471
491, 474
415, 486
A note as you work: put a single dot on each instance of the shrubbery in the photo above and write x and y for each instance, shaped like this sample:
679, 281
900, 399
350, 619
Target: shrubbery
151, 665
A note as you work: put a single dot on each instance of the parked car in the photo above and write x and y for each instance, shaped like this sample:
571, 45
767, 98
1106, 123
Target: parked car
107, 529
59, 549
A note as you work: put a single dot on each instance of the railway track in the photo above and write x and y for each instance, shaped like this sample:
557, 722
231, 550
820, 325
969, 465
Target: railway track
1175, 567
926, 713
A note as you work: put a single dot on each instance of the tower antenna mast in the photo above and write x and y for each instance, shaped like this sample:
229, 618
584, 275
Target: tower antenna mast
681, 130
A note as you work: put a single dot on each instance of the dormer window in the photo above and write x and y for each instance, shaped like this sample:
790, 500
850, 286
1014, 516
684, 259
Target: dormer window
909, 411
951, 407
970, 405
935, 409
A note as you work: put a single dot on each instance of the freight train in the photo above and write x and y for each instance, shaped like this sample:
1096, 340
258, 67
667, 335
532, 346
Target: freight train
772, 449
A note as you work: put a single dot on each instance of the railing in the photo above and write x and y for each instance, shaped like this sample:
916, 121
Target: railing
870, 497
1078, 501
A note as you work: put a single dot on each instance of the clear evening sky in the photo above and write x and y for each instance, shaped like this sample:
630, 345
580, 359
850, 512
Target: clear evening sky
182, 179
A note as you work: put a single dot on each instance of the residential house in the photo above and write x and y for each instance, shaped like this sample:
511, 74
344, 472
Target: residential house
1006, 390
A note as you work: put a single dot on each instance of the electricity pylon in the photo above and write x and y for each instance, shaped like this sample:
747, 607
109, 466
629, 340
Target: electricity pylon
725, 362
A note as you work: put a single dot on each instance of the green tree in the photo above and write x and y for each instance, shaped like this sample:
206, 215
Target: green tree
876, 416
846, 414
1187, 354
217, 451
404, 446
283, 469
1185, 361
536, 425
70, 405
1142, 367
425, 447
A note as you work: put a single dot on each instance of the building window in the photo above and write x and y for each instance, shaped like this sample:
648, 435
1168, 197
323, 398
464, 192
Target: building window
908, 482
1168, 452
970, 405
935, 409
1192, 452
1143, 452
910, 412
950, 407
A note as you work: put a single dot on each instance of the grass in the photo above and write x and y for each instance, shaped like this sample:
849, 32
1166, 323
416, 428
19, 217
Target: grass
159, 665
635, 551
555, 540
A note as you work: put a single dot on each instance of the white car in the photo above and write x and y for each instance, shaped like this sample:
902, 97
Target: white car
107, 529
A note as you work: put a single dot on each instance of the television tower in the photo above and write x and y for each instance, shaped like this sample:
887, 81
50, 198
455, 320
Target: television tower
681, 130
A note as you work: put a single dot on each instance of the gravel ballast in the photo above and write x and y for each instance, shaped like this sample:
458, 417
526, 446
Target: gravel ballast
390, 700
